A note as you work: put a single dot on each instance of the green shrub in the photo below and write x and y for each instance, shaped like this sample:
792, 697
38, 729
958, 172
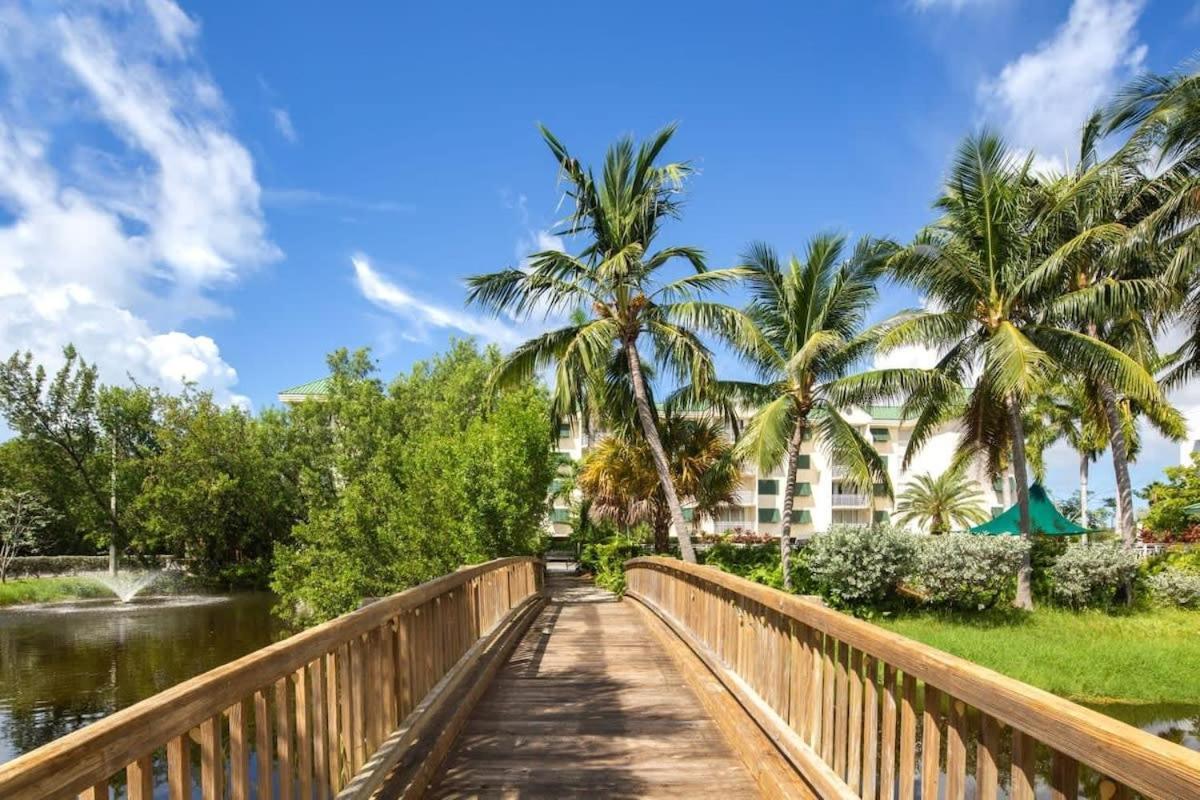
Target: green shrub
1174, 587
853, 566
759, 563
1090, 576
40, 566
968, 572
1182, 560
1046, 551
606, 560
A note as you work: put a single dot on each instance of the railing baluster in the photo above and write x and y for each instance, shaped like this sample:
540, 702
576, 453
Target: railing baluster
179, 768
854, 722
908, 739
283, 737
263, 760
319, 729
1023, 780
956, 750
870, 727
828, 690
97, 792
931, 743
887, 744
333, 735
987, 759
304, 741
139, 779
841, 709
1064, 777
239, 753
358, 703
212, 759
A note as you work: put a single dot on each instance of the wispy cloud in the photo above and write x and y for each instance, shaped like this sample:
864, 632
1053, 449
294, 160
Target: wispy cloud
283, 124
111, 246
1042, 98
422, 314
306, 198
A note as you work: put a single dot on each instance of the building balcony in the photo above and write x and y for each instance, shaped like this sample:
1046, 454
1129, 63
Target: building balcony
725, 525
850, 500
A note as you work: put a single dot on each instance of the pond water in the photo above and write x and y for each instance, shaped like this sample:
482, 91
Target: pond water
65, 665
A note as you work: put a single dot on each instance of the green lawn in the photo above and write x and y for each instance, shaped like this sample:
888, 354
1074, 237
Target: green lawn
1139, 657
46, 590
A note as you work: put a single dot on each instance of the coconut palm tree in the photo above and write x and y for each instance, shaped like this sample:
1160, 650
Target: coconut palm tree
1090, 226
1068, 411
941, 504
621, 485
616, 280
989, 313
807, 331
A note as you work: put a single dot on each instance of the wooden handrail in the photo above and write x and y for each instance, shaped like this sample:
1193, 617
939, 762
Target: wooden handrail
331, 694
841, 686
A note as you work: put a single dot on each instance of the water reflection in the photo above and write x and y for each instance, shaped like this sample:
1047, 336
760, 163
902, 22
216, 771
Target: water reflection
63, 666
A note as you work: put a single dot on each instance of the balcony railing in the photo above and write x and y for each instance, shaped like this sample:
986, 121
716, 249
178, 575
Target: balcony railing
726, 525
851, 500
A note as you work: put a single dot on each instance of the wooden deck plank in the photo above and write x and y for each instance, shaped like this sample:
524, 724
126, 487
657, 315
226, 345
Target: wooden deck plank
590, 705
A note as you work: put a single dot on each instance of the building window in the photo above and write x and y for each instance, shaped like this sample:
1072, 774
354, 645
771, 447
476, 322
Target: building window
998, 485
997, 511
806, 435
768, 515
880, 435
768, 486
882, 516
802, 516
561, 515
803, 490
804, 461
689, 514
564, 430
880, 490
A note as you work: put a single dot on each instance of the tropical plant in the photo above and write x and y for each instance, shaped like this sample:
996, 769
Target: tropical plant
858, 566
615, 280
939, 505
968, 572
989, 313
1092, 575
620, 484
1175, 587
1172, 500
806, 332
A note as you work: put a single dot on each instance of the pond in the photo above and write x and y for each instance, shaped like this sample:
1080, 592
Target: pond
65, 665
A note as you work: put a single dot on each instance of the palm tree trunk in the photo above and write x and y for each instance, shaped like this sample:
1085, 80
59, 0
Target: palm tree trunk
1120, 457
789, 495
656, 450
1024, 599
1083, 492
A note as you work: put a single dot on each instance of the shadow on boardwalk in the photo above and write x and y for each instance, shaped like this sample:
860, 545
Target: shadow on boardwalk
590, 706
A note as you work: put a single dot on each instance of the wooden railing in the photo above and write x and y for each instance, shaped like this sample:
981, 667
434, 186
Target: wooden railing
862, 712
299, 718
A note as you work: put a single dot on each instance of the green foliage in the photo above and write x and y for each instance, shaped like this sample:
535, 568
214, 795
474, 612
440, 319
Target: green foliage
410, 483
939, 505
23, 515
50, 590
968, 572
1175, 587
606, 560
1169, 498
759, 563
1045, 552
856, 567
1090, 576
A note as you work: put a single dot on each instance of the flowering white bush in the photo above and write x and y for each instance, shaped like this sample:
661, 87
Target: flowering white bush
854, 566
1174, 587
1091, 575
968, 572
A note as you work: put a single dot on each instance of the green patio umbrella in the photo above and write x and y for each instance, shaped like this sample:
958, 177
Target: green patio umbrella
1043, 516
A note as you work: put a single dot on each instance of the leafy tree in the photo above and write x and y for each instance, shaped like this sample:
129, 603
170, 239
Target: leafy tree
1170, 499
1068, 410
411, 482
989, 313
23, 515
805, 333
61, 413
34, 465
621, 485
615, 280
939, 505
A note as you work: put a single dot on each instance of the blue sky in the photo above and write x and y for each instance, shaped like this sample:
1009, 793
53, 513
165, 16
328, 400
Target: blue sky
227, 192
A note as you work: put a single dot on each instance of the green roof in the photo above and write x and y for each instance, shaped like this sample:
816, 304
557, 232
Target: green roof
317, 388
1043, 516
884, 412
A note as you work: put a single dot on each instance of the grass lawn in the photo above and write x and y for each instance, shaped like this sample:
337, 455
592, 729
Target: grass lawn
1137, 657
46, 590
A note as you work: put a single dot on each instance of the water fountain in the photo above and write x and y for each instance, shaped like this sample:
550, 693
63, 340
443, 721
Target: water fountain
126, 585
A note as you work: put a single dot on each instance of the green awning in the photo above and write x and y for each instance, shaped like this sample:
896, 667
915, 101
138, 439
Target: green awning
1043, 515
1193, 510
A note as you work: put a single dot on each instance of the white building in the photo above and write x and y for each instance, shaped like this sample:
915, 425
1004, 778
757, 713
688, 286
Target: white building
821, 497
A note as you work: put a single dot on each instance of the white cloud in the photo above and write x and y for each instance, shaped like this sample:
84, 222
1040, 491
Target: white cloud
303, 198
283, 124
908, 356
1043, 97
125, 196
422, 314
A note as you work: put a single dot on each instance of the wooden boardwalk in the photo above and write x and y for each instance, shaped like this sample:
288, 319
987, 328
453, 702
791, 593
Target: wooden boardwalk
590, 705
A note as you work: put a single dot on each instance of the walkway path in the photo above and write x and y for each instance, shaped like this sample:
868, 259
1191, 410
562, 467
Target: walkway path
578, 713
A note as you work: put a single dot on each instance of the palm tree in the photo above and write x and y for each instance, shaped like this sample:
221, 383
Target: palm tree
1090, 227
614, 279
1068, 411
620, 484
989, 313
805, 332
940, 504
